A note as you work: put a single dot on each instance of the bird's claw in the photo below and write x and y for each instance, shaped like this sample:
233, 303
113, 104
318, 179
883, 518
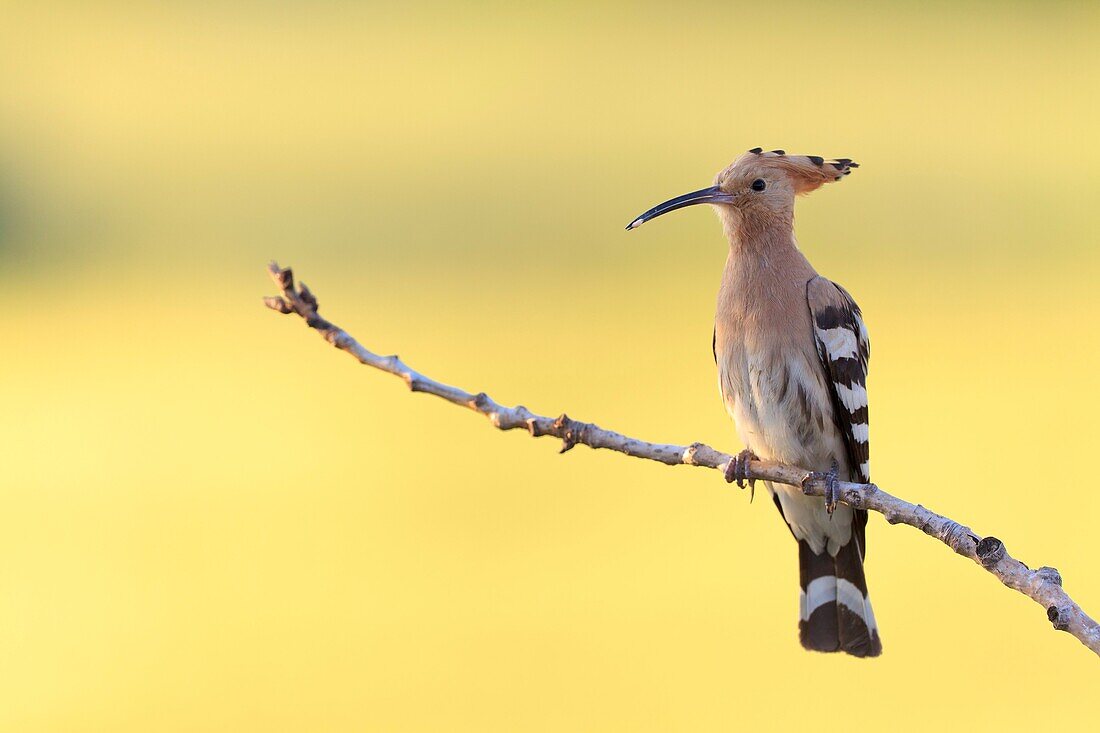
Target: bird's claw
832, 485
737, 470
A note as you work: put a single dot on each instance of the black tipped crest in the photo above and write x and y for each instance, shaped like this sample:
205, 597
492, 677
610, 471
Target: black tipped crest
807, 172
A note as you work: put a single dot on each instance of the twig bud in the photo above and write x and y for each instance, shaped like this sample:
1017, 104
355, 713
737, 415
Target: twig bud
276, 303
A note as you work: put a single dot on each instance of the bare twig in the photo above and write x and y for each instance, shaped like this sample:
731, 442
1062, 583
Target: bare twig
1044, 586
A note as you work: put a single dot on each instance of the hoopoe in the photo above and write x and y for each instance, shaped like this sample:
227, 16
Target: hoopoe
792, 350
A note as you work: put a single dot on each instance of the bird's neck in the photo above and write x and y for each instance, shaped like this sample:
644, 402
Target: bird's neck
765, 273
765, 244
758, 231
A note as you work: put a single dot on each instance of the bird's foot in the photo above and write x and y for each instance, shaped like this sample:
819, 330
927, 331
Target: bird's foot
832, 485
737, 471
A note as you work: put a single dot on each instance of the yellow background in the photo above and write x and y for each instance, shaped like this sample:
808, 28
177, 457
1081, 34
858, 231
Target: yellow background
212, 521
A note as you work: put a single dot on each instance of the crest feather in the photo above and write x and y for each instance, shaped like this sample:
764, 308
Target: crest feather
807, 172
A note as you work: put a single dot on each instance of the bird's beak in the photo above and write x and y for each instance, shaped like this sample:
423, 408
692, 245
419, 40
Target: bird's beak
712, 195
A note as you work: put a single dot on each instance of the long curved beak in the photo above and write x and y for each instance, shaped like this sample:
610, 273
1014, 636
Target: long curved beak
712, 195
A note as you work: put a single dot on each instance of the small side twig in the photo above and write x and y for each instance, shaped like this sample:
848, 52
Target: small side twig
1044, 586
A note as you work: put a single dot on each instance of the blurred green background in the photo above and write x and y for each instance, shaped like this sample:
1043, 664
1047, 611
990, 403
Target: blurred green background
213, 521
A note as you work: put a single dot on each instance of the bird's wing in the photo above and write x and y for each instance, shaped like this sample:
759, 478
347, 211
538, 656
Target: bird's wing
844, 349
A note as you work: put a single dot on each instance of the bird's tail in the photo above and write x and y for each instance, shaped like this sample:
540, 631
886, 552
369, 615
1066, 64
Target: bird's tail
836, 612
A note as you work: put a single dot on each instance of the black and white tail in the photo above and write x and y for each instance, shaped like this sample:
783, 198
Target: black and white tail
836, 612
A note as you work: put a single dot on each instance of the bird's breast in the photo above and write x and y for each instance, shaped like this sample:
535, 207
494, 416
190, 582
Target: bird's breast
778, 399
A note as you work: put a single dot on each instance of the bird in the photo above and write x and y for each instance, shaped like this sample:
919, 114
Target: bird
791, 349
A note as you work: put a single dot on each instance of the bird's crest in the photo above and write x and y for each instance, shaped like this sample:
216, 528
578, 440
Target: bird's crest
807, 172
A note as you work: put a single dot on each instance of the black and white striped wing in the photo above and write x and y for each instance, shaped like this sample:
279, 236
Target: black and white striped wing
844, 349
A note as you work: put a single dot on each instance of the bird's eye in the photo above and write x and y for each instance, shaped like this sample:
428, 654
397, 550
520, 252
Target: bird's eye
759, 185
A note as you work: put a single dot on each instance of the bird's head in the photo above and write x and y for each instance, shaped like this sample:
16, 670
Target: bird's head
759, 186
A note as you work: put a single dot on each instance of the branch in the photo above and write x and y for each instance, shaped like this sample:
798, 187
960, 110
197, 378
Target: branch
1044, 586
